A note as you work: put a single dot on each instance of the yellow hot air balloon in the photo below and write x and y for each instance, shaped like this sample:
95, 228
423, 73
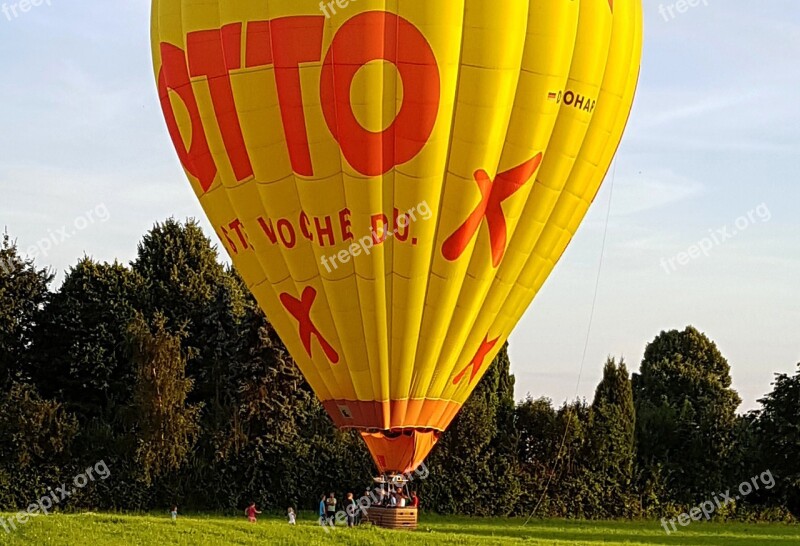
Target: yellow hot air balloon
395, 179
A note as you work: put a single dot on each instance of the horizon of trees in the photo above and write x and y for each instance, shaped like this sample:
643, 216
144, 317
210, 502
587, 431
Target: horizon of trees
167, 370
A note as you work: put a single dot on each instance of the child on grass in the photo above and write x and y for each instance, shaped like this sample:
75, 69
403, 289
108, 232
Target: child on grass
251, 512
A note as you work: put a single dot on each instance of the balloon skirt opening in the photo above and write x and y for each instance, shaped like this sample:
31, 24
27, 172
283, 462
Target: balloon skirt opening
402, 451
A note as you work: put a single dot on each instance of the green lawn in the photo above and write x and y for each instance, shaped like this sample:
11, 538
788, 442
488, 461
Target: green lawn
122, 530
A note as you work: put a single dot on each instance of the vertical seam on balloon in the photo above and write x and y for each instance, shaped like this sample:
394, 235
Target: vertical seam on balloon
388, 249
415, 381
388, 261
375, 381
379, 269
393, 273
323, 281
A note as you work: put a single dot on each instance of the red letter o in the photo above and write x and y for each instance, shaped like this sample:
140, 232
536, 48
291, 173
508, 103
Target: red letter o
373, 36
174, 75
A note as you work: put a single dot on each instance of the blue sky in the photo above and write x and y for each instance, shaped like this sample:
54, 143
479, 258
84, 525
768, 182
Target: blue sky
713, 141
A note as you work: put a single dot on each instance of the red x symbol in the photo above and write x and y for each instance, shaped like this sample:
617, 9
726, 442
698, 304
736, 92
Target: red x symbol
477, 362
493, 193
301, 310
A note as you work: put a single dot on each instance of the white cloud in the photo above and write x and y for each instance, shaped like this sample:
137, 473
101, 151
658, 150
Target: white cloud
652, 190
692, 108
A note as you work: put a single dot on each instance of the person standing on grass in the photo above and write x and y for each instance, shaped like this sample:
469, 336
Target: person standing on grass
414, 499
174, 514
350, 507
322, 510
331, 505
292, 516
370, 501
251, 512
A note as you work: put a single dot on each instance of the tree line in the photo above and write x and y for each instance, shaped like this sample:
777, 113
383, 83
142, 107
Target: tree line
166, 370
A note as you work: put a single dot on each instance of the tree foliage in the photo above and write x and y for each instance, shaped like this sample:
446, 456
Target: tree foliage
611, 441
36, 436
686, 414
778, 436
79, 354
167, 370
23, 292
166, 426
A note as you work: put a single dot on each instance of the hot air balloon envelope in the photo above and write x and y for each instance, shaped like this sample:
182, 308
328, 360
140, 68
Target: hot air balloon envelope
395, 179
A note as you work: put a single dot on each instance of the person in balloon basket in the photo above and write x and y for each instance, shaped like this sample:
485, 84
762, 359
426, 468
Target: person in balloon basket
402, 499
414, 500
331, 506
251, 512
383, 498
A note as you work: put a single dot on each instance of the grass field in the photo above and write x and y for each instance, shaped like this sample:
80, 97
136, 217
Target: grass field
122, 530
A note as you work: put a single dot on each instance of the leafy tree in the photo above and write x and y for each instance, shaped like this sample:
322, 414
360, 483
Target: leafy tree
197, 296
536, 425
23, 292
578, 460
79, 343
570, 495
269, 391
537, 448
33, 428
611, 452
167, 425
35, 440
778, 434
205, 305
686, 414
